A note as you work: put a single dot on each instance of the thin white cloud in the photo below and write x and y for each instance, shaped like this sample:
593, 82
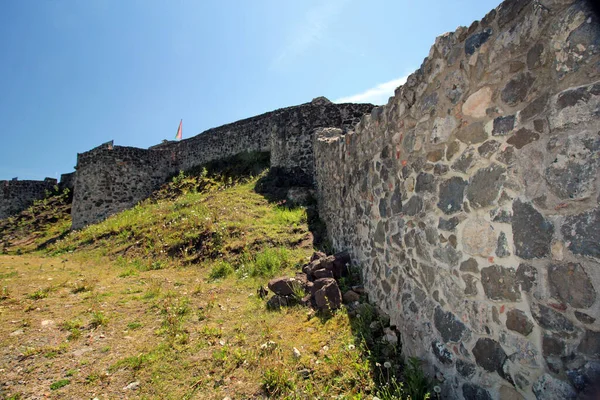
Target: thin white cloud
310, 31
376, 95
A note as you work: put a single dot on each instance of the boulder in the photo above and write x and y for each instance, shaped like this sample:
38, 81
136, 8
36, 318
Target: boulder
328, 296
283, 286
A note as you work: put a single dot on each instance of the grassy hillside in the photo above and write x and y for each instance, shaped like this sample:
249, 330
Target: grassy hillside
160, 301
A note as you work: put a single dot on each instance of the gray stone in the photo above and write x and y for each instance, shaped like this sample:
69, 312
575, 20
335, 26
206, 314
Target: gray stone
570, 283
475, 41
550, 319
469, 265
503, 125
448, 224
465, 368
575, 168
451, 149
500, 283
535, 108
473, 392
550, 388
523, 137
507, 156
532, 233
383, 207
590, 344
489, 355
502, 250
465, 161
488, 148
485, 186
472, 133
516, 89
470, 285
582, 233
396, 201
450, 327
552, 346
535, 56
586, 379
448, 255
571, 97
413, 206
441, 352
516, 320
451, 194
584, 318
509, 10
425, 183
500, 215
526, 276
440, 169
379, 236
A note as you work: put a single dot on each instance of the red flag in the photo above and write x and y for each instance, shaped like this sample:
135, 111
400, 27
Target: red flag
179, 131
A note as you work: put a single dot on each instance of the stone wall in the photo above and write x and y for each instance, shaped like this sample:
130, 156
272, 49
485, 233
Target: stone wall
111, 178
67, 181
18, 195
291, 138
471, 204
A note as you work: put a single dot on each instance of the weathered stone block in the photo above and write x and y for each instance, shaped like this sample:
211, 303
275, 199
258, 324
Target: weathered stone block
517, 320
450, 327
500, 283
485, 186
451, 194
478, 237
570, 283
489, 355
582, 233
532, 233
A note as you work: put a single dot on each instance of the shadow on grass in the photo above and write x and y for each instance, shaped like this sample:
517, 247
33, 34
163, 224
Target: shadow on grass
274, 186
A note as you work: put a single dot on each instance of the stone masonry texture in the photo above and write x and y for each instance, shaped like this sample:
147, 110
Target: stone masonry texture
110, 179
470, 202
489, 262
16, 195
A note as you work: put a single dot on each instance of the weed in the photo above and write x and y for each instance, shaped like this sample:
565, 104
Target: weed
39, 294
276, 382
221, 270
134, 325
4, 293
59, 384
127, 273
269, 262
417, 385
82, 286
98, 319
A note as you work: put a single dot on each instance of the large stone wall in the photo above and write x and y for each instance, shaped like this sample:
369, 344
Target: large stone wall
471, 204
18, 195
112, 178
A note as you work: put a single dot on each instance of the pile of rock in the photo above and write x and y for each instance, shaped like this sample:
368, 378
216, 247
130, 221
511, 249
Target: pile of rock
316, 286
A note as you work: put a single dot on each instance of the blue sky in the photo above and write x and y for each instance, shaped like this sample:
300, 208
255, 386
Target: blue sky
75, 74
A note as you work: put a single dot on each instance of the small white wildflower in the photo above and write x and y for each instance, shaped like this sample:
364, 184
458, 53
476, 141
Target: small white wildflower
437, 389
351, 347
387, 364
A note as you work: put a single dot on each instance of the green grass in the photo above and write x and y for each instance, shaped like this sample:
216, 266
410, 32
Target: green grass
165, 293
39, 294
221, 270
59, 384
